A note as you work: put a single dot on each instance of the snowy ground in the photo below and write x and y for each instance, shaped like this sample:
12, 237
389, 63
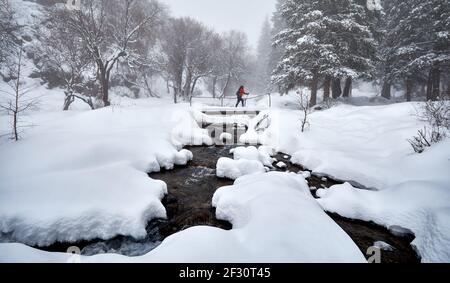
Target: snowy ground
82, 174
368, 146
299, 230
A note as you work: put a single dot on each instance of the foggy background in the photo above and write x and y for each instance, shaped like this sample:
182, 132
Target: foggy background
243, 15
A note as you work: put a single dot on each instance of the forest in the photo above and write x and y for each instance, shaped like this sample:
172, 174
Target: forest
395, 45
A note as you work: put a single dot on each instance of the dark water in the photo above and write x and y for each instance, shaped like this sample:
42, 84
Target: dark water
191, 190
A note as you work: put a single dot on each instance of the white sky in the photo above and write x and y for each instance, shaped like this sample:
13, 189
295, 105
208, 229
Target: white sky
225, 15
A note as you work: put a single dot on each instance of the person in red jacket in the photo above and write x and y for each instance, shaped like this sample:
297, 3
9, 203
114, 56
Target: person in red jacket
240, 96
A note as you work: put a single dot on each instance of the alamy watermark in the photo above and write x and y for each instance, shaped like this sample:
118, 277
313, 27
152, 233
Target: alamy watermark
75, 255
224, 128
375, 255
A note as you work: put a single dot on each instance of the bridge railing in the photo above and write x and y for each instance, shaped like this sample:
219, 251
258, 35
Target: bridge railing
223, 98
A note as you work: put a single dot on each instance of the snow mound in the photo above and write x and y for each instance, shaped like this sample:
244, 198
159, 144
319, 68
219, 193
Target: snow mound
233, 169
417, 206
262, 154
83, 175
275, 219
250, 153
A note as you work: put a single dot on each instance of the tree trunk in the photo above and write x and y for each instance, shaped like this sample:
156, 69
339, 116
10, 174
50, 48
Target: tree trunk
194, 84
386, 91
430, 85
225, 88
168, 86
214, 83
67, 102
336, 88
104, 81
326, 88
409, 89
105, 90
17, 93
448, 89
436, 83
348, 87
187, 85
175, 95
423, 89
314, 87
178, 85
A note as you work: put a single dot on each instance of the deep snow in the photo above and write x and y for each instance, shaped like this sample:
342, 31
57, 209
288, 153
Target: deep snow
83, 175
367, 145
299, 230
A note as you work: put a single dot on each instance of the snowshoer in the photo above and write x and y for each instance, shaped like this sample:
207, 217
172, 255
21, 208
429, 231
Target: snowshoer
240, 96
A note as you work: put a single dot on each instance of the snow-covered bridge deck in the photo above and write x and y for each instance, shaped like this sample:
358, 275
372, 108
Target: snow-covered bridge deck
226, 111
227, 103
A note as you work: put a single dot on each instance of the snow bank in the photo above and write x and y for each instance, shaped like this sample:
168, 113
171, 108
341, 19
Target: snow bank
83, 175
187, 131
274, 217
421, 207
367, 145
233, 169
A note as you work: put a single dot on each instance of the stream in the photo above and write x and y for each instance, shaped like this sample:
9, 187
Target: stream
188, 203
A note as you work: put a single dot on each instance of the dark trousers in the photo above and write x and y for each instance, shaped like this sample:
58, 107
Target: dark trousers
240, 100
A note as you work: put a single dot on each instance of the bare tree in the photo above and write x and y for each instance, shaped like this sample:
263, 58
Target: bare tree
191, 50
201, 59
108, 28
146, 61
234, 59
305, 108
17, 103
141, 69
65, 56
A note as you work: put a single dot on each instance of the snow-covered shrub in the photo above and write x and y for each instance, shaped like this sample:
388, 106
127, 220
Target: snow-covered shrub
437, 115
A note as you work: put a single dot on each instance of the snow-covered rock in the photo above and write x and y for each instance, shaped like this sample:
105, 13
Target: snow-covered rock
267, 150
383, 246
281, 165
305, 174
249, 153
233, 169
262, 154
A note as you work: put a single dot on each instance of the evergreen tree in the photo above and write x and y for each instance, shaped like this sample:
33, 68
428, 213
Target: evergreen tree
279, 24
417, 42
263, 68
324, 39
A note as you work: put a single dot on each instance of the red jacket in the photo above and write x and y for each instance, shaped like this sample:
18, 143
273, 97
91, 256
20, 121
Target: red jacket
242, 92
